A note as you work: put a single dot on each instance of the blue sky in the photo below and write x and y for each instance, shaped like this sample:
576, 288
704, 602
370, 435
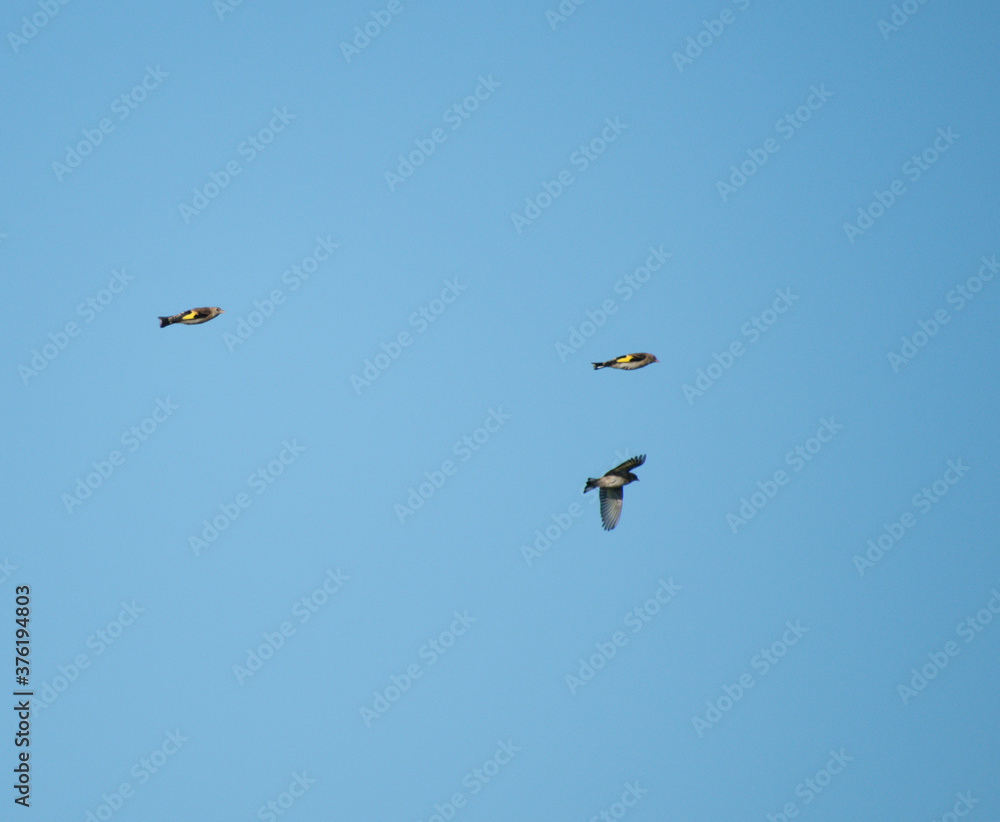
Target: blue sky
327, 556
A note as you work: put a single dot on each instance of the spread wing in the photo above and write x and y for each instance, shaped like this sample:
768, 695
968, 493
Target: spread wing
628, 465
611, 507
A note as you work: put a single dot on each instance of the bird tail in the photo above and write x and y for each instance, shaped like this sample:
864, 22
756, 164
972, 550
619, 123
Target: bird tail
598, 365
591, 483
164, 321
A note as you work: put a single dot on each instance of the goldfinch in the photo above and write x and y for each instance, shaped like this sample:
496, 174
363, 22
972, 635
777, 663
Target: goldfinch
627, 362
611, 489
192, 317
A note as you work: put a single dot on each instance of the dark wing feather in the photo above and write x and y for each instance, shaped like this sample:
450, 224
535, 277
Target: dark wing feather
628, 465
611, 507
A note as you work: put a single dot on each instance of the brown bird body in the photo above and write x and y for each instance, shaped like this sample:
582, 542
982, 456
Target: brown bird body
192, 317
627, 362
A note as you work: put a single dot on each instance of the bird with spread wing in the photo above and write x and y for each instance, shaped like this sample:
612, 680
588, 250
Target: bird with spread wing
611, 485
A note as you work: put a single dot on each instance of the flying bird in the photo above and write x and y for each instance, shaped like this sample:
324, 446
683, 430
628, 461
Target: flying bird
192, 317
611, 489
627, 362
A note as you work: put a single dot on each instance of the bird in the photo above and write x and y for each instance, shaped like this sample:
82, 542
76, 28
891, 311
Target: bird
192, 317
611, 489
627, 362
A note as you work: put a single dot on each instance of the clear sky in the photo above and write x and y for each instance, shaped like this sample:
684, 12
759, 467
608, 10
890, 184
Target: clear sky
327, 556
